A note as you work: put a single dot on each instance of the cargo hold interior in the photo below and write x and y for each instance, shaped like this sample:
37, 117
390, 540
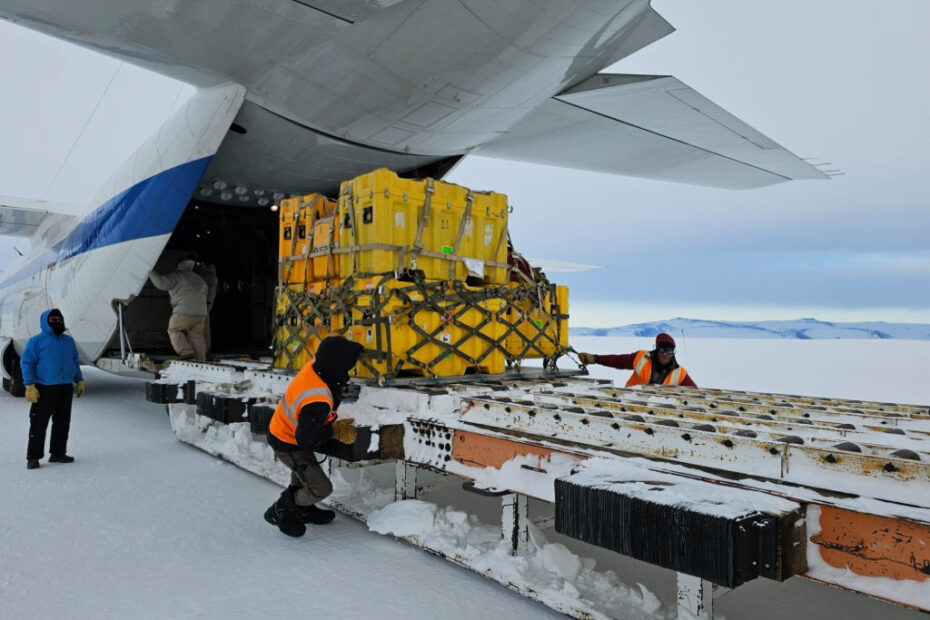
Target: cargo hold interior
242, 243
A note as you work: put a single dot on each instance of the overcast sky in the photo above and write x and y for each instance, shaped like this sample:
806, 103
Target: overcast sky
842, 81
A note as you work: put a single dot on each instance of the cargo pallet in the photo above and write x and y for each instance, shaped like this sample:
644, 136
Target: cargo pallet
418, 272
722, 487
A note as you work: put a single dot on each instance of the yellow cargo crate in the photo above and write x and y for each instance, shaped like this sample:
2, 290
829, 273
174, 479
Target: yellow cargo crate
293, 338
412, 338
540, 330
324, 263
299, 329
289, 240
298, 217
382, 228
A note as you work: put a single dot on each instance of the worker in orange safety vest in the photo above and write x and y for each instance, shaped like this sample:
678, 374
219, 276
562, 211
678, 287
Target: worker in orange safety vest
656, 366
305, 419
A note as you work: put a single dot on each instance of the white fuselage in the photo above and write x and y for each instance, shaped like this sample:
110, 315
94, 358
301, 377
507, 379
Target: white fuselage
105, 254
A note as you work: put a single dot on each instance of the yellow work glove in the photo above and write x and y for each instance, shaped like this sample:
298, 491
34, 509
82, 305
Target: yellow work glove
344, 432
32, 393
587, 358
79, 388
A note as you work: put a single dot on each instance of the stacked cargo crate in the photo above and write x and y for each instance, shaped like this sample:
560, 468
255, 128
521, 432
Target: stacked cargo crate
417, 271
307, 266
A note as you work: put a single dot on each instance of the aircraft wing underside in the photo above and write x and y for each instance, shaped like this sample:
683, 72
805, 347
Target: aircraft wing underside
638, 125
277, 154
20, 222
23, 217
337, 87
648, 126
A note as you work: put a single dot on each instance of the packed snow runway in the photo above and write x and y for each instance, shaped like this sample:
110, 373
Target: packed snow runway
143, 526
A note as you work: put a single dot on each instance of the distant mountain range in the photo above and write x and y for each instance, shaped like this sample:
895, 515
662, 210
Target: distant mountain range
804, 329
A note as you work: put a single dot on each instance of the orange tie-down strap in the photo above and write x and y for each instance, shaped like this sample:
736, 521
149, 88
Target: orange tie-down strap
874, 546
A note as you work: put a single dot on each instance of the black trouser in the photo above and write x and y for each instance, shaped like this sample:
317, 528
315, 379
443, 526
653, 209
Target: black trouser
55, 403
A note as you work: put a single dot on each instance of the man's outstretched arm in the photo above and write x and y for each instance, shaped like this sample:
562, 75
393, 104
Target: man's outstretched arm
623, 362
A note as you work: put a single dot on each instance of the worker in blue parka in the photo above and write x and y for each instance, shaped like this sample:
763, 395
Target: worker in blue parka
52, 374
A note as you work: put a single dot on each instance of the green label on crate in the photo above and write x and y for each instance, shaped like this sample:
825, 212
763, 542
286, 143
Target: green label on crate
447, 249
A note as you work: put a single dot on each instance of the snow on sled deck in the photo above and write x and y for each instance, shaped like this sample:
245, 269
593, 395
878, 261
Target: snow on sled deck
853, 477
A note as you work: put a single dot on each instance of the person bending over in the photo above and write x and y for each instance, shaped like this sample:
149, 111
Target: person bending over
304, 419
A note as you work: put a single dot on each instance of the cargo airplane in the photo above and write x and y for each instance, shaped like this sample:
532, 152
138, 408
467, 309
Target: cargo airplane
293, 96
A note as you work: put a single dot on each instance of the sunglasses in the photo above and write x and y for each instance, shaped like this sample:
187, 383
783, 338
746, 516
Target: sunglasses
669, 350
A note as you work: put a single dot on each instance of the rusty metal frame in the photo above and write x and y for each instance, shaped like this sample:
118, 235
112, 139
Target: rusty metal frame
882, 534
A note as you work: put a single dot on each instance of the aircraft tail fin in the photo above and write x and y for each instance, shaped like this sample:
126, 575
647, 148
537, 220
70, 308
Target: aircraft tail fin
191, 134
106, 252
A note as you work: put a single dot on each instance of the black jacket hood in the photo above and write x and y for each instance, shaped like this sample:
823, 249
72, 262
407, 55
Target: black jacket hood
335, 357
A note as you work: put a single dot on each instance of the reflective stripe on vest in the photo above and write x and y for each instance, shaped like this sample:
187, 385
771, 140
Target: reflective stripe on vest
291, 411
642, 372
306, 388
642, 369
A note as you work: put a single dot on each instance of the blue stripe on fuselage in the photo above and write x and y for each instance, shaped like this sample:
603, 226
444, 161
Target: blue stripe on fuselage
147, 209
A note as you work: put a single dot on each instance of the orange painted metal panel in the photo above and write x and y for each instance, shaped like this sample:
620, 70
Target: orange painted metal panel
874, 546
483, 451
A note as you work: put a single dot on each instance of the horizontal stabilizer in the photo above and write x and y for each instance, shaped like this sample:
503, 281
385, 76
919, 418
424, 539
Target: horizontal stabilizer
648, 126
561, 266
22, 217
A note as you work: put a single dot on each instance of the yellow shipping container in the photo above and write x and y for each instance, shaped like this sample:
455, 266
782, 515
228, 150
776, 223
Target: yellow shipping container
291, 333
292, 348
419, 339
324, 264
300, 329
382, 216
540, 331
298, 217
288, 242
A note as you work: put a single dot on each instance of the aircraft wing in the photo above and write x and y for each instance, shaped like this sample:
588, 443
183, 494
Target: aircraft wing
22, 217
648, 126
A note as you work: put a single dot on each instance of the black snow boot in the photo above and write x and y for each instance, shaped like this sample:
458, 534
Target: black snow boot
282, 515
316, 516
306, 514
60, 458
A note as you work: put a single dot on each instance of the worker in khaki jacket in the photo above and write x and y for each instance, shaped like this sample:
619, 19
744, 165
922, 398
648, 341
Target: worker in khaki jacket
658, 366
188, 294
304, 419
207, 271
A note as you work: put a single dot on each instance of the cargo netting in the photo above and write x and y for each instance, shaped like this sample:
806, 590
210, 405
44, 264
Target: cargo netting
421, 273
425, 328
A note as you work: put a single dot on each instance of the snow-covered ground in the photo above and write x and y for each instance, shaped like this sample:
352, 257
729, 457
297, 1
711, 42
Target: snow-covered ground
880, 370
803, 329
143, 526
